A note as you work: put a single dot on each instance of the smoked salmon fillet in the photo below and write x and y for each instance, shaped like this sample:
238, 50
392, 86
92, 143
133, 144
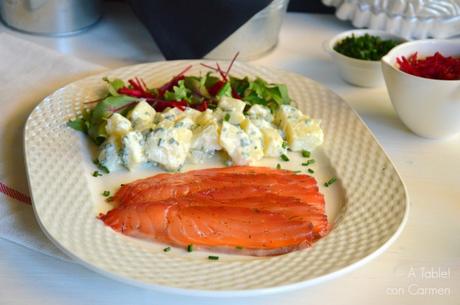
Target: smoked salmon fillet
252, 210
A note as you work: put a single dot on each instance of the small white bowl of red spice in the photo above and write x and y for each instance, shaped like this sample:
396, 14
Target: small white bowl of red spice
357, 55
423, 81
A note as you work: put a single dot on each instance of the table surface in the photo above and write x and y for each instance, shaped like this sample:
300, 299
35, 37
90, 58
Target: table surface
421, 267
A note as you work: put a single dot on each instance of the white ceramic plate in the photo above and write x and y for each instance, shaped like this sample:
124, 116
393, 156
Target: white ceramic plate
367, 206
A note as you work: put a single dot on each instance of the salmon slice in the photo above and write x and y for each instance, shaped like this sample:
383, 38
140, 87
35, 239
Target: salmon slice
177, 185
265, 211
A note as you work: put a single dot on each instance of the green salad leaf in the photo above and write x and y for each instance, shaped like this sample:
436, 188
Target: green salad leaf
114, 85
261, 92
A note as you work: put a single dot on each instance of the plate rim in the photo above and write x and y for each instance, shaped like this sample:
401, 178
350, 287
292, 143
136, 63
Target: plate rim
226, 293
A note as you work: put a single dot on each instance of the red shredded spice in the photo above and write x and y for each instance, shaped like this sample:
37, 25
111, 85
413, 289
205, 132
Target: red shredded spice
436, 66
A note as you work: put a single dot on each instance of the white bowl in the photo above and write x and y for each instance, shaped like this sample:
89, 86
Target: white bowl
429, 107
363, 73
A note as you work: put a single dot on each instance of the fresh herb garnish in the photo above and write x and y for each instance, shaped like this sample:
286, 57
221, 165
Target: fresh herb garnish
367, 47
284, 145
227, 117
106, 193
310, 171
278, 166
167, 249
330, 181
190, 248
100, 166
213, 257
306, 154
96, 174
284, 157
309, 162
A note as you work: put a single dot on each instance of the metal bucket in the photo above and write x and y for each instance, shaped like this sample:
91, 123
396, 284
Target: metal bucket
50, 17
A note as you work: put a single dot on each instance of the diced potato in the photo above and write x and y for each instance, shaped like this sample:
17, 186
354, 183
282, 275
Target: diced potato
192, 113
185, 122
206, 117
236, 143
142, 116
285, 114
108, 155
304, 134
273, 142
118, 125
172, 114
229, 104
132, 152
168, 147
234, 118
205, 142
259, 112
256, 138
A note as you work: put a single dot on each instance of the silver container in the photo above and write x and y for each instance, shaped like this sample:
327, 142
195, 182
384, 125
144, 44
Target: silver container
256, 37
50, 17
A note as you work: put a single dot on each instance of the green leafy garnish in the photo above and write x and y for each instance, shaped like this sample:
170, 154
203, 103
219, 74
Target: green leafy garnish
179, 93
306, 154
260, 92
330, 181
114, 85
309, 162
284, 157
365, 47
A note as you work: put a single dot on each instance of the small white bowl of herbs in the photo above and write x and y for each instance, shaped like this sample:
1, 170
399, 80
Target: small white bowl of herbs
357, 55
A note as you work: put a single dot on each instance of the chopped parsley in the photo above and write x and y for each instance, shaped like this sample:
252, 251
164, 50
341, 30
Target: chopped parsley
310, 171
284, 157
227, 117
190, 248
106, 193
330, 181
167, 249
284, 145
96, 174
100, 166
213, 257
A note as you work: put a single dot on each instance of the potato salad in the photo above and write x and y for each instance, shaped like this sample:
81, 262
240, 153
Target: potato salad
173, 137
193, 118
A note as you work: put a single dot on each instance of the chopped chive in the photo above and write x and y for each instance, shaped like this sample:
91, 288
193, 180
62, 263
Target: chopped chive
309, 162
227, 117
167, 249
239, 247
278, 166
284, 145
310, 171
100, 166
284, 157
106, 193
96, 174
306, 154
330, 181
190, 248
213, 257
109, 199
